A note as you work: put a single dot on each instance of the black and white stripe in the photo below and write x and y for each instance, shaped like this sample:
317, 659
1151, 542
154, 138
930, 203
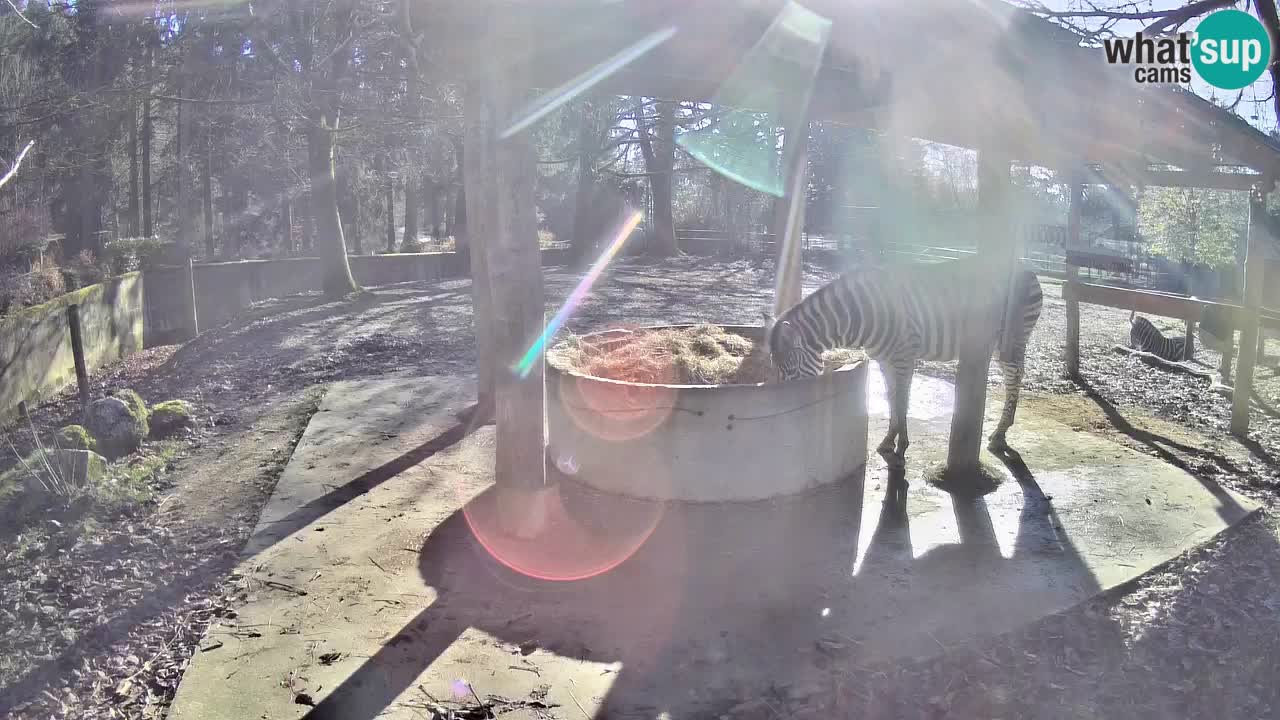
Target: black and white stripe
1145, 336
903, 314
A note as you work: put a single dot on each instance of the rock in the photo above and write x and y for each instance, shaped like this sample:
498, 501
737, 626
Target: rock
116, 426
55, 473
167, 418
134, 401
75, 437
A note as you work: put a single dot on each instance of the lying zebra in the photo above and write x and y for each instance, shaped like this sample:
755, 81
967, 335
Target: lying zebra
902, 315
1216, 332
1145, 336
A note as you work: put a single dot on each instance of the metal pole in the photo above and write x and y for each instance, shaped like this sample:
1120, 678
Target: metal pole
1069, 293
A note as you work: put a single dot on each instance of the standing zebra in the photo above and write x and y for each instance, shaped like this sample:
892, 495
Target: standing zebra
902, 315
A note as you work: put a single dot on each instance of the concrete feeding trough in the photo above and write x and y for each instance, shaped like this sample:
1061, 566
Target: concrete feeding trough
706, 443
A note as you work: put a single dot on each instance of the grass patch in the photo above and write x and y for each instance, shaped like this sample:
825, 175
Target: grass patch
39, 488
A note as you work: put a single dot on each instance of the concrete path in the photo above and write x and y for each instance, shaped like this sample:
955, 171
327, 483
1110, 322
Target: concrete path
374, 595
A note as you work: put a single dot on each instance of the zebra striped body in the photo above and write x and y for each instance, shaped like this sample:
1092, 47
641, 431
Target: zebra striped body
903, 314
1147, 337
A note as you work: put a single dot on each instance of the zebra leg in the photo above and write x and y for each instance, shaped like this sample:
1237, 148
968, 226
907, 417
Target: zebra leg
885, 447
902, 400
897, 380
1012, 389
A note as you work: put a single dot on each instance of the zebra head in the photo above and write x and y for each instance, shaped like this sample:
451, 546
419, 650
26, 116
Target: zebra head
791, 357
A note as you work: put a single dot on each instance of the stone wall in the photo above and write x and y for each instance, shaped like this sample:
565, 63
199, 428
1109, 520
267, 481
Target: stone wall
119, 318
35, 343
225, 289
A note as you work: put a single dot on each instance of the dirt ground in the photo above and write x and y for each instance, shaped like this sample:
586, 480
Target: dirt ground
115, 619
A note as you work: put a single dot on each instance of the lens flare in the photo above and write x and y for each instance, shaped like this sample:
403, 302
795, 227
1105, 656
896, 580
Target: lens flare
570, 535
771, 87
615, 411
579, 293
556, 98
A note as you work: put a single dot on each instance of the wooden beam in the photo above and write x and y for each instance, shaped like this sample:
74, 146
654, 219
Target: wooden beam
1209, 180
995, 247
1150, 302
1253, 277
1073, 279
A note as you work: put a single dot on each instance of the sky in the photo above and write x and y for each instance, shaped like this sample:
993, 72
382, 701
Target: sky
1256, 104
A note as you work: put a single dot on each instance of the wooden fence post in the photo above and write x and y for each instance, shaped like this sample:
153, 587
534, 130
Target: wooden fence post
995, 247
77, 353
1069, 294
1253, 276
789, 217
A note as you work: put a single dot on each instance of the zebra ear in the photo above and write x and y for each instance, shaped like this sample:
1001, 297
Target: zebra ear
767, 316
788, 333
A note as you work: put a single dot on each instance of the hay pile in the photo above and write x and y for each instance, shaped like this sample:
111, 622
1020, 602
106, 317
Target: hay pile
699, 355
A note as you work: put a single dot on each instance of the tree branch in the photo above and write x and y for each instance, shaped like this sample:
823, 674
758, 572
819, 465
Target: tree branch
16, 163
1177, 17
18, 12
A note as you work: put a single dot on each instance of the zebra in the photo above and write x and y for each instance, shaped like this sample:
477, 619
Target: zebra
902, 315
1145, 336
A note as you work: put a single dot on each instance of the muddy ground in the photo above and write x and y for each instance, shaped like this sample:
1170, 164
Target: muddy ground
108, 619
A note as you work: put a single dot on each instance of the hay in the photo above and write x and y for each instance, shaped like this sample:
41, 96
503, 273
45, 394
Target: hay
699, 355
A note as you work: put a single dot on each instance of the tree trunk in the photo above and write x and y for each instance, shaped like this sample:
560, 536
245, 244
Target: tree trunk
410, 213
390, 191
286, 223
583, 241
458, 226
135, 221
182, 149
504, 232
357, 243
308, 223
206, 191
659, 162
332, 246
148, 207
478, 166
430, 209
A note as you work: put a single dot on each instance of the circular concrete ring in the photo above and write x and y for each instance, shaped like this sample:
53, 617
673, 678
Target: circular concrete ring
707, 443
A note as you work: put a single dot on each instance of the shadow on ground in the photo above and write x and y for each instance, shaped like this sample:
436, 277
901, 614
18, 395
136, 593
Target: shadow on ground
725, 604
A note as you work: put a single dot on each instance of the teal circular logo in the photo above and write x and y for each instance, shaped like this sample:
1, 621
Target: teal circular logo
1231, 49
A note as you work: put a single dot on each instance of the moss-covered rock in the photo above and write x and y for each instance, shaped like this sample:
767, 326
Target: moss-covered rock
46, 475
170, 417
117, 426
75, 437
134, 400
